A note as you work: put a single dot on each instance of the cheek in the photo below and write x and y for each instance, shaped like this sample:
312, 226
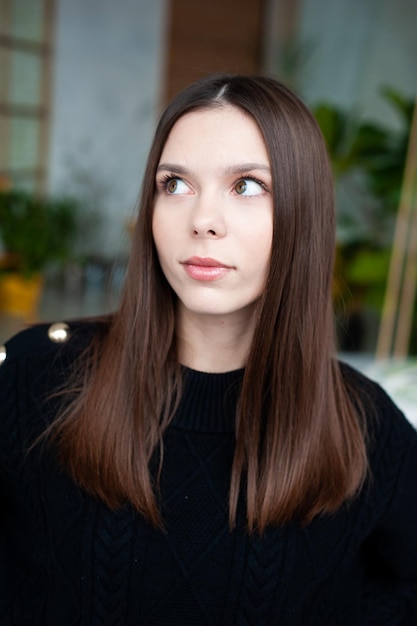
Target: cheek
260, 240
261, 249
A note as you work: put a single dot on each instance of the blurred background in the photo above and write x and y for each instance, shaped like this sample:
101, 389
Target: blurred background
82, 83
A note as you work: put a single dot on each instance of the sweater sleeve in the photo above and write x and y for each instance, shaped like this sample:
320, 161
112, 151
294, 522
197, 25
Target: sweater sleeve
28, 363
391, 597
33, 364
8, 438
8, 429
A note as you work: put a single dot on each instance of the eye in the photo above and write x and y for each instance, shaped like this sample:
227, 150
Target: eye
175, 186
249, 187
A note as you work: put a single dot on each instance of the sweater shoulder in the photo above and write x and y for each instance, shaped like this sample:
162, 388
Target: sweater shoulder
38, 363
374, 400
49, 340
390, 436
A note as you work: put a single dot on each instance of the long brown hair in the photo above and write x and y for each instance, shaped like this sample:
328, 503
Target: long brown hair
300, 447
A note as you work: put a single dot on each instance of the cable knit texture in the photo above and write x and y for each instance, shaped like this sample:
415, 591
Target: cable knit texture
66, 559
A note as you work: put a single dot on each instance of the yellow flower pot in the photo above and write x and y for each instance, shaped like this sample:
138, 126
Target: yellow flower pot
19, 295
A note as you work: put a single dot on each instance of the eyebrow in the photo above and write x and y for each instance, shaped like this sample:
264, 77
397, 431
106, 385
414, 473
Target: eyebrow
238, 168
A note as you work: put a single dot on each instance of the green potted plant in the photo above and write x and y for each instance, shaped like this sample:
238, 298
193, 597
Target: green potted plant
371, 158
35, 232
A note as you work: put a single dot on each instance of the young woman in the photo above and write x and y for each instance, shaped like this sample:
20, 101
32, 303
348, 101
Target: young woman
200, 456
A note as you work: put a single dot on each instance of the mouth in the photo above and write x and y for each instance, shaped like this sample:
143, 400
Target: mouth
205, 262
205, 268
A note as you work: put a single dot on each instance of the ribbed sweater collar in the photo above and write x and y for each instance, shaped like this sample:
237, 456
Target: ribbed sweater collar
208, 402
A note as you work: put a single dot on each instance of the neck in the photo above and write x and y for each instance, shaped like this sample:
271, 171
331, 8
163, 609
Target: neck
212, 343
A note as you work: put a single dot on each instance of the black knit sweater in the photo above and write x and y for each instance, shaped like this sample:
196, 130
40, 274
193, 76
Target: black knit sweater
66, 559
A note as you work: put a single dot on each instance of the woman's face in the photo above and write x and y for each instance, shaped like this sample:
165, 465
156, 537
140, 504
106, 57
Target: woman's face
212, 222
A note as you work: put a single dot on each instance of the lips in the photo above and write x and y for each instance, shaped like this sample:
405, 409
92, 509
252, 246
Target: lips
205, 262
206, 268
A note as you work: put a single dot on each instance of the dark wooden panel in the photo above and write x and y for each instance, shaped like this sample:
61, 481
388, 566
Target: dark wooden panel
211, 36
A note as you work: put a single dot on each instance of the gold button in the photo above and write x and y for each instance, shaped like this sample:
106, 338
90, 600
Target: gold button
59, 332
3, 354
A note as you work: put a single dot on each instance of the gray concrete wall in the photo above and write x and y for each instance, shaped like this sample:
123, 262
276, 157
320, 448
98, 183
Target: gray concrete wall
354, 47
108, 65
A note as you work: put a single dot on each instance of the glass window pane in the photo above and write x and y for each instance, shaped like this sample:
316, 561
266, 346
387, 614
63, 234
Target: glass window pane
26, 75
25, 181
4, 74
24, 142
27, 19
4, 153
4, 14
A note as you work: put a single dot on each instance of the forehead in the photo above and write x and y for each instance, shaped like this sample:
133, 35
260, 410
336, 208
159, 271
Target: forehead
219, 127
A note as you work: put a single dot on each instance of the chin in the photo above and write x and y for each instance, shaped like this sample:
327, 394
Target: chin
217, 309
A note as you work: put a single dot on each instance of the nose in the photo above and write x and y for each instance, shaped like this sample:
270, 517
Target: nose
207, 218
